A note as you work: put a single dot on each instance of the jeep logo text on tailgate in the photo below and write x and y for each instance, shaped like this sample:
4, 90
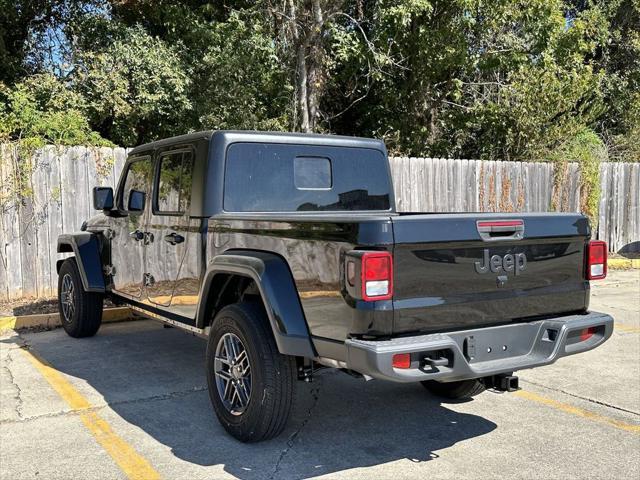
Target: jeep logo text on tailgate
511, 262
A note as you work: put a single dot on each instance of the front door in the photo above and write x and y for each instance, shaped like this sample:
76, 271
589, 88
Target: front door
172, 281
127, 232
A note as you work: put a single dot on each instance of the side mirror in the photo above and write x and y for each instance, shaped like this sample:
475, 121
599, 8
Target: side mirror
103, 198
136, 201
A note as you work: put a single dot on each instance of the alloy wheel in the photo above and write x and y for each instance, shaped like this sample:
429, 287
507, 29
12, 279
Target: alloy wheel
67, 298
233, 373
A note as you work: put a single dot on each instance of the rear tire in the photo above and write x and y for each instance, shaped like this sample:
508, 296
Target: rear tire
252, 391
455, 390
80, 311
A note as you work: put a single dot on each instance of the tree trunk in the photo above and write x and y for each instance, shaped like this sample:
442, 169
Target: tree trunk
315, 78
307, 25
303, 100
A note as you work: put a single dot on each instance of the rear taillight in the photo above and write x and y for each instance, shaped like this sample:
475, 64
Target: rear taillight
377, 276
596, 260
587, 333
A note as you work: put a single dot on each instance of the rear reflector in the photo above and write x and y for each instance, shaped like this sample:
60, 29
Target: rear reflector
596, 260
351, 272
377, 276
401, 360
587, 333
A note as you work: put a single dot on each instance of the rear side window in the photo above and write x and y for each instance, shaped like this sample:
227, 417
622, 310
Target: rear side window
138, 177
285, 178
173, 192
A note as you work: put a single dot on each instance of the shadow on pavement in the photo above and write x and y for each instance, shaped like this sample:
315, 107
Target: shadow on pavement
154, 379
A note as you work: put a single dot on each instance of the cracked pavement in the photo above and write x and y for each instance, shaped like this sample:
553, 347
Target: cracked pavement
148, 383
7, 382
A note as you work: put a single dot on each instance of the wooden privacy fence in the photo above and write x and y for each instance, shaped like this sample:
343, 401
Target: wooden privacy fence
62, 180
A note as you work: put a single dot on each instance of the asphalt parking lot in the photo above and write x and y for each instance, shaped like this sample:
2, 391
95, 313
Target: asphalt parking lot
132, 403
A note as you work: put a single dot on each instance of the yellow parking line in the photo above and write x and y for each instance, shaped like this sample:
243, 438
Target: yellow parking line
320, 293
623, 263
577, 411
625, 328
7, 323
132, 464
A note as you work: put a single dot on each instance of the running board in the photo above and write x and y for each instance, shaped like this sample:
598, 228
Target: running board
200, 332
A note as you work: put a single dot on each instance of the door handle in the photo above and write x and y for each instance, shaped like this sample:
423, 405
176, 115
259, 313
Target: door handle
173, 238
137, 235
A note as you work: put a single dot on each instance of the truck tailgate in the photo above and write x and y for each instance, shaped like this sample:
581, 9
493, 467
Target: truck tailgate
450, 272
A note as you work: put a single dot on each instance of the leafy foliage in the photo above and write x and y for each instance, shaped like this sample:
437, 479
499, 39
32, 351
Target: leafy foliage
620, 58
587, 149
135, 88
241, 83
42, 109
509, 79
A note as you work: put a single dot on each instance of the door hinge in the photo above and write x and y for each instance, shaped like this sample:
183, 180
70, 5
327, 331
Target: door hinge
148, 280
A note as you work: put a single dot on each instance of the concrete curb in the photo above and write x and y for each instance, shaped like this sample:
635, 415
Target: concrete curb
623, 263
52, 320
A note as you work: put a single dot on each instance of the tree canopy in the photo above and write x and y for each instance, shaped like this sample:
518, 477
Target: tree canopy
507, 79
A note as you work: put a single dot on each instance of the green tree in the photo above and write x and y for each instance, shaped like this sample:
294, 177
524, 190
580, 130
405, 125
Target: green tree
620, 58
136, 88
37, 111
505, 80
239, 80
42, 109
509, 79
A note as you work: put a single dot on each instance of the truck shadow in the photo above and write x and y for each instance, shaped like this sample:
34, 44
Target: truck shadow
153, 378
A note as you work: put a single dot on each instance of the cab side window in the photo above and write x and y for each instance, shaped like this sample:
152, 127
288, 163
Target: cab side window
138, 179
173, 190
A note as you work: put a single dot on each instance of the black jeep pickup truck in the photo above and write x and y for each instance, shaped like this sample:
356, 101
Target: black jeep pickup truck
286, 253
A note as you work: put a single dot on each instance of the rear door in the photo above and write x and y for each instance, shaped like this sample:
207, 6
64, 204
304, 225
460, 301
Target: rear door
127, 231
172, 234
456, 271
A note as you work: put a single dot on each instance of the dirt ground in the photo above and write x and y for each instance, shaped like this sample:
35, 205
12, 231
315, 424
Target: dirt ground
32, 306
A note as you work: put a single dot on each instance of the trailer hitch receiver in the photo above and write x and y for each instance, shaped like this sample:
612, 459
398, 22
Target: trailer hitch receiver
503, 383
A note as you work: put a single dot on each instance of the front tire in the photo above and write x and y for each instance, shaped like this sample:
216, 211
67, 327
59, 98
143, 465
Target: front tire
251, 385
455, 390
80, 311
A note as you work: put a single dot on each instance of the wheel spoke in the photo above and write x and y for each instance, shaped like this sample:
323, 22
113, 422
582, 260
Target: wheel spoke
223, 360
234, 396
242, 357
235, 348
246, 370
243, 392
227, 390
228, 346
224, 374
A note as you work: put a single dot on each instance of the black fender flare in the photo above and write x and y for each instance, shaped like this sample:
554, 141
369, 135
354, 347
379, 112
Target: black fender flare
273, 278
86, 248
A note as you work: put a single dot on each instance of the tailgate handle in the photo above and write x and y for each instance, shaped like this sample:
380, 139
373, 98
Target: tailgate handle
500, 230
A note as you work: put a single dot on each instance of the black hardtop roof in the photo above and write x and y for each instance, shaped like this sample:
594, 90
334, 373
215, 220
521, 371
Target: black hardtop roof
232, 136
